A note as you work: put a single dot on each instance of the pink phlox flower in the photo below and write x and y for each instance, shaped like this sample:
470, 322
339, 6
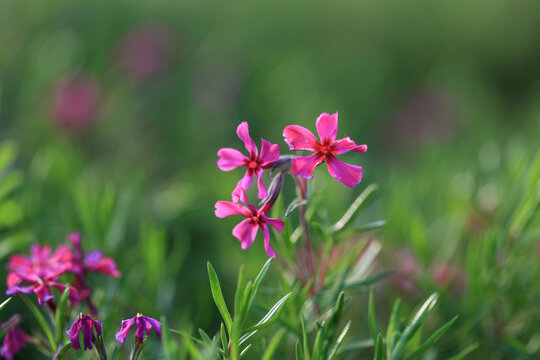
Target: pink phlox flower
15, 339
41, 270
143, 324
301, 139
255, 163
87, 325
256, 219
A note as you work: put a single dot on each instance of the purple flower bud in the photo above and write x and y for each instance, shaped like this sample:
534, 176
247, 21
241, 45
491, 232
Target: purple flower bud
15, 338
143, 324
86, 324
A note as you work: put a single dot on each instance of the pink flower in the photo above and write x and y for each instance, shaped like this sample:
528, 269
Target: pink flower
87, 325
75, 103
143, 324
15, 338
301, 139
41, 270
92, 261
230, 159
256, 219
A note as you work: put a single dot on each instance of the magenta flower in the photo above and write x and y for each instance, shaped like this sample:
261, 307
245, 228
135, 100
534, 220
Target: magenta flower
41, 270
301, 139
15, 339
75, 103
256, 219
230, 159
87, 325
143, 324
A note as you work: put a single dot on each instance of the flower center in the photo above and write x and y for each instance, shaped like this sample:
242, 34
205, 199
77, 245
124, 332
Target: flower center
254, 220
253, 164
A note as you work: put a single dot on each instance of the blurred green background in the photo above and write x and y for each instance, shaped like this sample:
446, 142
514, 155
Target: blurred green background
116, 110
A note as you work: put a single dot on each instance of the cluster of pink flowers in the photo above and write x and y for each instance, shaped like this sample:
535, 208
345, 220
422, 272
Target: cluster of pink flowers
299, 139
40, 272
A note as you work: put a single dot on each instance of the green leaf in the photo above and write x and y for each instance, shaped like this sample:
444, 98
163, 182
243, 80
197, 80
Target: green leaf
239, 294
169, 347
5, 303
245, 350
469, 349
393, 325
9, 183
254, 289
205, 336
293, 205
271, 316
114, 355
60, 316
413, 326
355, 207
305, 341
299, 353
218, 297
273, 345
432, 339
318, 344
339, 340
41, 321
8, 152
66, 349
369, 281
224, 341
357, 345
371, 317
379, 348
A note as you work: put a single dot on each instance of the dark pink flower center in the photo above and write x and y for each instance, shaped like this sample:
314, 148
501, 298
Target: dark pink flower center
254, 220
325, 148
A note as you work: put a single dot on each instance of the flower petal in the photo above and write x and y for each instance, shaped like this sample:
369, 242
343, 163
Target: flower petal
278, 224
73, 334
304, 165
327, 126
269, 152
350, 175
245, 232
344, 145
156, 325
243, 133
228, 208
243, 185
140, 328
86, 327
299, 138
124, 330
263, 194
267, 247
230, 159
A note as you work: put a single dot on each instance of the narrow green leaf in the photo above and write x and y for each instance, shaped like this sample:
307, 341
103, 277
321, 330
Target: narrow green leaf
187, 336
245, 351
254, 289
114, 355
299, 353
204, 336
336, 311
371, 317
374, 225
432, 339
273, 345
393, 325
355, 207
65, 350
271, 316
367, 282
224, 341
218, 297
192, 349
469, 349
239, 294
41, 320
379, 348
413, 326
318, 344
5, 303
169, 347
60, 317
357, 345
305, 341
293, 205
339, 340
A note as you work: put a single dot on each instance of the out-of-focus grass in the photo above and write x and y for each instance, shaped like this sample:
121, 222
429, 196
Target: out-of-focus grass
445, 96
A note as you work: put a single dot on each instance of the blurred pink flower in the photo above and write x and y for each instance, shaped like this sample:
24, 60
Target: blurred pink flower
41, 270
299, 138
247, 229
143, 324
15, 339
406, 269
147, 51
230, 159
75, 102
448, 275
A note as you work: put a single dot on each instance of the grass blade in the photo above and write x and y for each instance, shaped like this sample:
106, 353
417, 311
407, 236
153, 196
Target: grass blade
218, 297
432, 339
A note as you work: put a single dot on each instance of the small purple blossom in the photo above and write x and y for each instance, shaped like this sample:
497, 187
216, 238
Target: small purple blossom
15, 338
86, 324
143, 324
